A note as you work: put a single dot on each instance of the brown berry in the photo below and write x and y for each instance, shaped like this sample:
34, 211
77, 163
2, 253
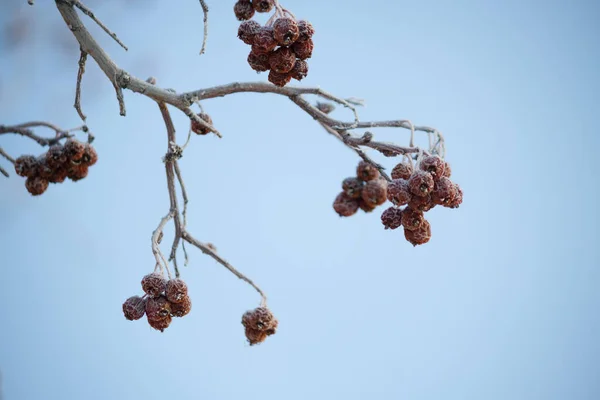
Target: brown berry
77, 172
392, 218
255, 336
134, 308
282, 60
26, 166
182, 308
259, 62
285, 31
447, 170
197, 128
154, 284
303, 48
243, 10
458, 198
247, 31
55, 157
366, 207
36, 185
398, 192
264, 42
176, 290
375, 192
90, 157
306, 30
263, 6
344, 205
260, 319
43, 169
160, 324
353, 187
421, 203
158, 308
434, 165
74, 149
300, 70
58, 175
420, 183
420, 235
412, 219
278, 79
444, 191
366, 171
402, 171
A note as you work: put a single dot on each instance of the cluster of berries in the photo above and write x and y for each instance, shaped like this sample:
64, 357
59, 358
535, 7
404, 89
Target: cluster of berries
70, 160
259, 323
366, 191
163, 300
281, 47
419, 190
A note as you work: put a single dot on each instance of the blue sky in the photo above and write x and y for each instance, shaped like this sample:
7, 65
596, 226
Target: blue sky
501, 304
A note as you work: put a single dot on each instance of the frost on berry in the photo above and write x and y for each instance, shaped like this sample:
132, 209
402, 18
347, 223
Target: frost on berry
259, 62
444, 191
263, 6
285, 31
352, 187
392, 218
134, 308
434, 165
411, 219
74, 149
158, 308
420, 183
300, 70
303, 48
282, 60
421, 203
154, 284
375, 192
447, 170
36, 185
458, 198
43, 169
182, 308
90, 157
55, 157
264, 42
26, 166
278, 79
366, 207
197, 128
58, 175
160, 324
243, 10
366, 171
247, 31
176, 290
398, 193
345, 205
77, 172
402, 171
259, 323
306, 30
420, 235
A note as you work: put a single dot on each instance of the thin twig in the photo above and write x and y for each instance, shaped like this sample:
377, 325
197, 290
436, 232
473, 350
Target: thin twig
90, 14
3, 172
24, 131
205, 11
185, 203
7, 156
155, 235
80, 72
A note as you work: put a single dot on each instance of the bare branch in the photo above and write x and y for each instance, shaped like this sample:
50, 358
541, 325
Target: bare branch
3, 172
205, 11
7, 156
80, 72
23, 130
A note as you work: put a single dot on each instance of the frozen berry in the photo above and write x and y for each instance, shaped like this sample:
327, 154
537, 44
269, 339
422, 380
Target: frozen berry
36, 185
434, 165
247, 31
420, 235
176, 290
243, 10
353, 187
285, 31
77, 172
282, 60
458, 198
278, 79
43, 169
412, 219
263, 6
182, 308
74, 149
375, 192
447, 170
160, 324
158, 308
89, 155
402, 171
366, 207
344, 205
259, 62
392, 218
26, 166
398, 193
444, 191
264, 42
421, 203
134, 308
261, 319
56, 157
366, 171
300, 70
154, 284
197, 128
255, 336
306, 30
303, 48
420, 183
58, 175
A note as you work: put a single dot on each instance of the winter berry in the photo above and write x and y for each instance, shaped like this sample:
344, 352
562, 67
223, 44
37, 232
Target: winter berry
55, 157
285, 31
366, 207
197, 128
90, 157
58, 175
247, 31
458, 198
154, 284
182, 308
420, 235
325, 108
353, 187
402, 171
366, 171
43, 169
264, 42
74, 149
278, 79
344, 205
300, 70
259, 62
392, 218
160, 324
303, 48
398, 192
306, 30
421, 203
434, 165
444, 191
282, 60
375, 192
36, 185
134, 308
263, 6
77, 172
447, 170
158, 308
254, 336
243, 10
411, 219
26, 166
176, 290
261, 319
420, 183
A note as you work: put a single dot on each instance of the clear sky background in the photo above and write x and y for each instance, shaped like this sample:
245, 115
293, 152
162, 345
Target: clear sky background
502, 303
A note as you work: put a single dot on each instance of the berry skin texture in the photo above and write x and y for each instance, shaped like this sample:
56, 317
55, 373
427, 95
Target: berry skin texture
364, 206
300, 70
282, 60
199, 129
344, 205
306, 30
421, 203
264, 42
434, 165
158, 308
366, 171
411, 219
247, 31
402, 171
55, 157
77, 172
90, 157
58, 175
160, 324
278, 79
392, 218
259, 323
74, 149
303, 48
421, 183
134, 308
375, 192
444, 191
176, 290
43, 170
447, 170
398, 192
36, 185
26, 166
353, 187
182, 308
263, 6
243, 10
259, 62
154, 285
458, 198
285, 31
420, 235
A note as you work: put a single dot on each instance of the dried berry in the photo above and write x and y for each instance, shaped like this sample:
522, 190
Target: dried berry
259, 62
278, 79
444, 191
392, 218
375, 192
264, 42
43, 169
398, 192
420, 235
26, 166
74, 149
303, 48
344, 205
77, 172
325, 108
154, 284
366, 207
285, 31
366, 171
282, 60
260, 319
55, 157
306, 30
197, 128
420, 183
158, 308
353, 187
421, 203
254, 336
160, 324
434, 165
176, 290
58, 175
300, 70
447, 170
263, 6
36, 185
412, 219
402, 171
243, 10
458, 198
134, 308
89, 155
247, 31
182, 308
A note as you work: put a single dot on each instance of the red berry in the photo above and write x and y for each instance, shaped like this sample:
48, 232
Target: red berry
353, 187
421, 203
58, 175
402, 171
447, 170
199, 129
264, 42
55, 157
89, 155
278, 79
392, 218
344, 205
420, 183
300, 70
26, 166
247, 31
259, 62
444, 191
263, 6
434, 165
306, 30
160, 324
243, 10
398, 192
182, 308
74, 149
259, 323
458, 198
134, 308
77, 172
375, 192
303, 48
366, 207
412, 219
282, 60
176, 290
36, 185
285, 31
154, 284
420, 235
158, 308
366, 171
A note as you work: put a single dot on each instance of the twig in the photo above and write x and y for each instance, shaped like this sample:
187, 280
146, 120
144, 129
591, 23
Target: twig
91, 15
160, 259
24, 131
3, 172
7, 156
80, 72
205, 11
185, 203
